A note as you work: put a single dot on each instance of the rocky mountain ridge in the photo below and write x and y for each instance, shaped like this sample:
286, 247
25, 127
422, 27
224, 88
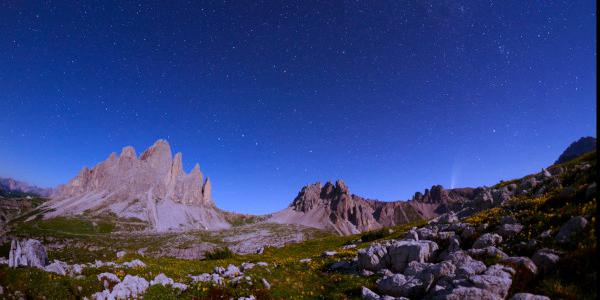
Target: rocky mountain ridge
152, 188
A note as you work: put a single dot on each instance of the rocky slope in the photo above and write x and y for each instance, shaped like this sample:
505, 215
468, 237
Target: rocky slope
10, 187
152, 188
577, 148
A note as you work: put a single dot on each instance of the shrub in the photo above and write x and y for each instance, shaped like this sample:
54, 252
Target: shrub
219, 253
374, 235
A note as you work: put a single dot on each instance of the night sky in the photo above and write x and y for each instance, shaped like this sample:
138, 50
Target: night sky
391, 96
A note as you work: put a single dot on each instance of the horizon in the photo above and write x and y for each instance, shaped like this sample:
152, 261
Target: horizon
270, 97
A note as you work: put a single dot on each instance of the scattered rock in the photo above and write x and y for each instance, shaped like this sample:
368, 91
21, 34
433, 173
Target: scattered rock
449, 217
465, 265
509, 230
373, 258
487, 239
246, 266
57, 267
496, 279
488, 253
108, 276
136, 263
231, 271
265, 283
525, 268
305, 260
121, 254
329, 253
351, 246
130, 287
206, 277
367, 294
545, 259
572, 227
163, 280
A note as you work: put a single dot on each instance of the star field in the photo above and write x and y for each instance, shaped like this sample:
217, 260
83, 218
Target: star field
390, 96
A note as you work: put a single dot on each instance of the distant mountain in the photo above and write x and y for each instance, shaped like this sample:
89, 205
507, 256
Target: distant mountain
577, 148
152, 188
333, 207
10, 188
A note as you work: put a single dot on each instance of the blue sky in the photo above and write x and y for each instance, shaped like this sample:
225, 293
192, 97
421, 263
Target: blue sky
392, 97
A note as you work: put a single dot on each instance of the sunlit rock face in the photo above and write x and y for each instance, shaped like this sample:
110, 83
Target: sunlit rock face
152, 188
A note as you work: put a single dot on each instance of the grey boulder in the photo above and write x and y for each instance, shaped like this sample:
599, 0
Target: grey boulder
486, 240
572, 227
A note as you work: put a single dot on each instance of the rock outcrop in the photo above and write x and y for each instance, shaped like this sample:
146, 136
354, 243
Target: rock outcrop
27, 253
152, 188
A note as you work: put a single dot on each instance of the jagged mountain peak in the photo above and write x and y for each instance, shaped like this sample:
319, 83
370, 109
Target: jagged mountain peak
154, 188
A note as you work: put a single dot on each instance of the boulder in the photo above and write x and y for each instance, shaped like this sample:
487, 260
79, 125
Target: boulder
57, 267
509, 230
468, 232
373, 258
28, 253
525, 268
496, 279
403, 252
399, 286
490, 253
426, 233
163, 280
487, 239
130, 288
466, 293
572, 227
527, 296
545, 259
367, 294
465, 265
412, 235
449, 217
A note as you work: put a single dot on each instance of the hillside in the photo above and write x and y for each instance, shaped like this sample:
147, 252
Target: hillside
307, 270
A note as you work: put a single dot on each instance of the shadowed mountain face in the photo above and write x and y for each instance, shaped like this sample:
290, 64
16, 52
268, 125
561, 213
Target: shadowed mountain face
577, 148
153, 188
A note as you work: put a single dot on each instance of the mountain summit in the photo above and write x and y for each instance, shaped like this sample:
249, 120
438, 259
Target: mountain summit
153, 188
579, 147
